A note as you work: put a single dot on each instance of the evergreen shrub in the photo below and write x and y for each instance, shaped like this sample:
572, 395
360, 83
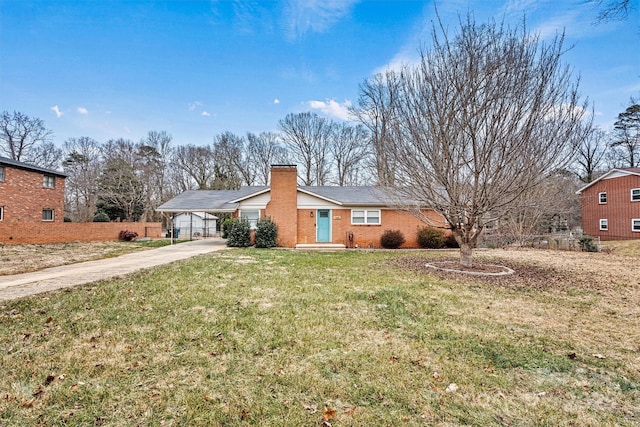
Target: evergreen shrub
266, 233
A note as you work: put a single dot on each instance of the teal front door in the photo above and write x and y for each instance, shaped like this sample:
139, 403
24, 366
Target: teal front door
323, 225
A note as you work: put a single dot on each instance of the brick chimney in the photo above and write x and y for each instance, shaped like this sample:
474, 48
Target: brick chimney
283, 206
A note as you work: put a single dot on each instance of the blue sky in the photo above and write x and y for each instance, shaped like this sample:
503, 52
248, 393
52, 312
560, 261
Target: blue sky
118, 69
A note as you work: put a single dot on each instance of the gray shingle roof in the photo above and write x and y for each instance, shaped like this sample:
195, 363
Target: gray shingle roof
207, 200
228, 200
27, 166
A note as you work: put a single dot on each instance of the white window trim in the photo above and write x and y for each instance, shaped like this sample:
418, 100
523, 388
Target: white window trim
366, 217
3, 171
606, 224
637, 199
53, 215
632, 224
253, 227
600, 198
1, 213
53, 181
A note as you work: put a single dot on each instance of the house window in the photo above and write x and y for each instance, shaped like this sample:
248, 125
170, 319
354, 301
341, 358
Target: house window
602, 198
635, 224
365, 216
1, 212
49, 181
251, 216
604, 224
635, 194
47, 214
1, 173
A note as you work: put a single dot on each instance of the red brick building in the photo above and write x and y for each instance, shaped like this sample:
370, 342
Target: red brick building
30, 194
611, 205
311, 215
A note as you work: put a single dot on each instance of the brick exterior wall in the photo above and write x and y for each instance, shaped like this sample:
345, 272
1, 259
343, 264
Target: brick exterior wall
282, 208
60, 232
365, 236
23, 197
619, 209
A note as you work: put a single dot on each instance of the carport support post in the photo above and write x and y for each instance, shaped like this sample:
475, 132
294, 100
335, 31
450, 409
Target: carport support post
172, 227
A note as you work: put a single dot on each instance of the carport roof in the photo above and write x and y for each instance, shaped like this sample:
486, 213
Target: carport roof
208, 200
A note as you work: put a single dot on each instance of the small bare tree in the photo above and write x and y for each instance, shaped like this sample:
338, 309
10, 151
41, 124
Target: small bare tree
483, 119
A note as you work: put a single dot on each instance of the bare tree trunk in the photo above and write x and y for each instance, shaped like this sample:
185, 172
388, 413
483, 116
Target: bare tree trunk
466, 254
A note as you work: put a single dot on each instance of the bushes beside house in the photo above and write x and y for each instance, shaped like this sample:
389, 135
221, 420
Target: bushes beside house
392, 239
266, 233
239, 233
435, 238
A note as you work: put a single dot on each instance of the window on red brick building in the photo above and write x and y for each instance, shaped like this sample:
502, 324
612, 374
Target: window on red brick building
604, 224
47, 214
49, 181
635, 194
1, 212
635, 224
1, 173
365, 216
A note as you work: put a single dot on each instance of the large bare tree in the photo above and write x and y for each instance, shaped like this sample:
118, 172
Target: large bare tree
590, 157
82, 164
265, 150
26, 139
349, 149
306, 136
375, 110
484, 117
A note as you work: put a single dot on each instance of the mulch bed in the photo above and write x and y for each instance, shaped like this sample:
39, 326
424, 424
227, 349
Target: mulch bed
525, 276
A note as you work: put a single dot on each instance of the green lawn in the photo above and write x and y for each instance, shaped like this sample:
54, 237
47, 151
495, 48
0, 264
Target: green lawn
282, 338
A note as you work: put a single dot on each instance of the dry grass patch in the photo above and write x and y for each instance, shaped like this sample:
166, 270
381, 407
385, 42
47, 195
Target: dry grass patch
347, 339
17, 259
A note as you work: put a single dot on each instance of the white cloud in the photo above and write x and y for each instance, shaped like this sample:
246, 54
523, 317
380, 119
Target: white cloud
195, 105
205, 114
276, 101
56, 110
82, 110
332, 108
303, 16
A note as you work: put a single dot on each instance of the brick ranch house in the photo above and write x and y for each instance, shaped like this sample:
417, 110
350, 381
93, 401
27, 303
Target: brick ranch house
611, 205
308, 216
32, 209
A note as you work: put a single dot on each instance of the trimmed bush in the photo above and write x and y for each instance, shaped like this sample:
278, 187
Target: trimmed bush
226, 226
239, 235
431, 238
266, 233
127, 235
101, 217
392, 239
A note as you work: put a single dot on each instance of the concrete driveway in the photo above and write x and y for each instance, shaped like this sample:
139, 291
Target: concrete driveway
21, 285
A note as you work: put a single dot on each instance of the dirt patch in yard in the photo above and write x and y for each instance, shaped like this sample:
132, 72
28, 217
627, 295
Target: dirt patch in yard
15, 259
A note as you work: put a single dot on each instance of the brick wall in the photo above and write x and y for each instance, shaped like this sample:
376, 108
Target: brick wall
23, 196
619, 209
282, 208
59, 232
365, 236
